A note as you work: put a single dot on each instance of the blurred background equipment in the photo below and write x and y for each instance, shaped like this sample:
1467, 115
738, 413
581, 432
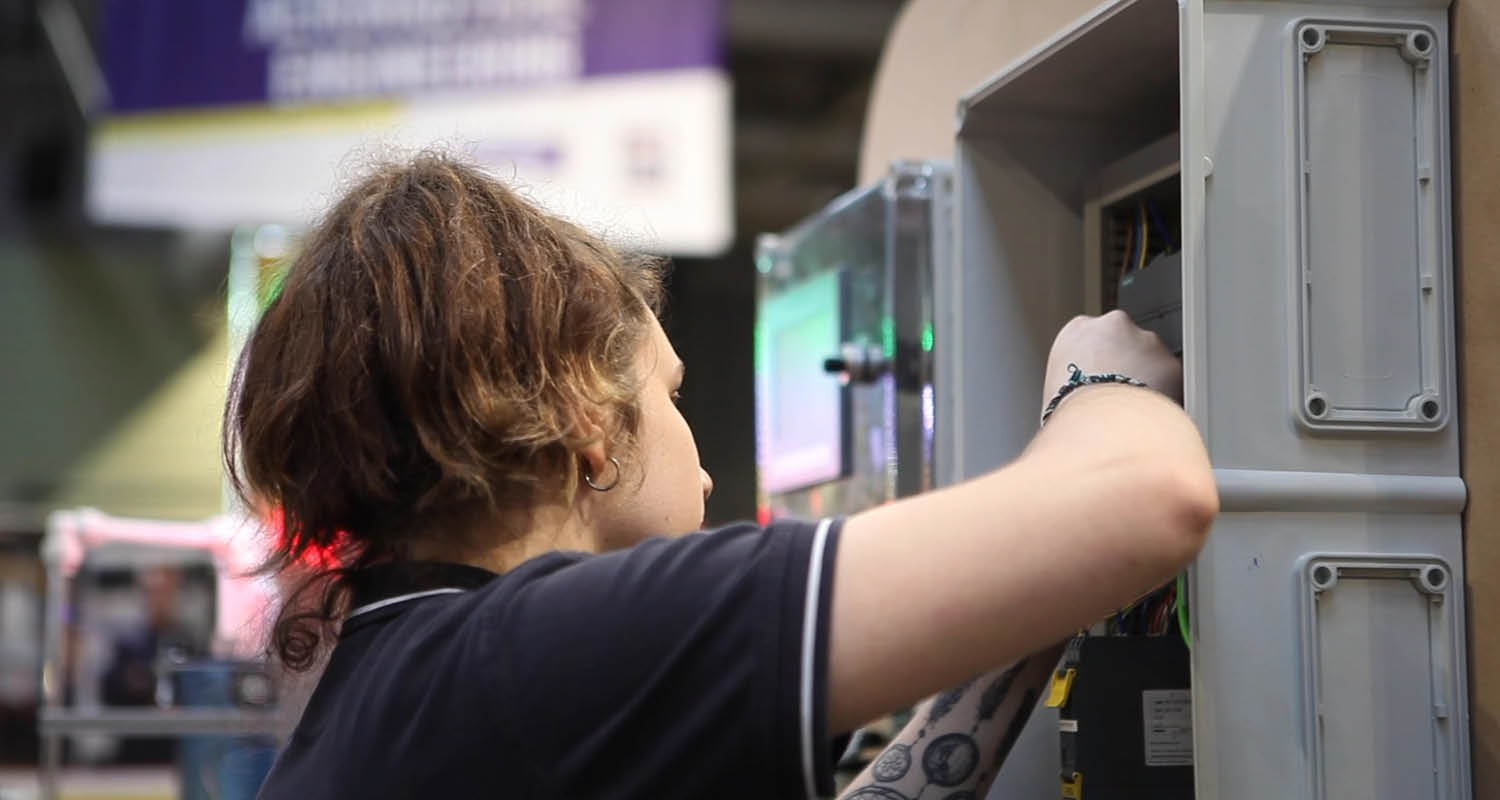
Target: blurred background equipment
151, 651
22, 589
116, 326
116, 334
844, 342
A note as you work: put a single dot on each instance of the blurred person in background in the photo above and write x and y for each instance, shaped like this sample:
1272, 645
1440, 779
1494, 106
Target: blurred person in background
131, 679
140, 658
472, 403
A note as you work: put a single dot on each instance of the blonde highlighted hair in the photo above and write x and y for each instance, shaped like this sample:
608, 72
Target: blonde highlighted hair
435, 347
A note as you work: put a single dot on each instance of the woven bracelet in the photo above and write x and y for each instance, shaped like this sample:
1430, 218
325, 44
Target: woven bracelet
1077, 378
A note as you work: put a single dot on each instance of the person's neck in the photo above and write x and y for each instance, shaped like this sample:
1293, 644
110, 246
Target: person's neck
548, 529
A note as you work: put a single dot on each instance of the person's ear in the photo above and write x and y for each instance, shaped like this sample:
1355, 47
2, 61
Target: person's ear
595, 459
594, 455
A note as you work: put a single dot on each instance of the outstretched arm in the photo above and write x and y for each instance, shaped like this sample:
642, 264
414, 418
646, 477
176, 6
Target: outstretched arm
1113, 497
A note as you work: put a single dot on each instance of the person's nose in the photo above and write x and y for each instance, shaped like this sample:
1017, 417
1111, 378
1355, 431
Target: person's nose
708, 482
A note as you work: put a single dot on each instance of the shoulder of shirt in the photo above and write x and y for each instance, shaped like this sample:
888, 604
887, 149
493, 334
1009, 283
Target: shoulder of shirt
558, 560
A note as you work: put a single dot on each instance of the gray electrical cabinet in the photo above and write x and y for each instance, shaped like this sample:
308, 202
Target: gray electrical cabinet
1283, 168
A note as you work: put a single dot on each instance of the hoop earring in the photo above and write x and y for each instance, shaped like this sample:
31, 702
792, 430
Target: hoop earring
589, 479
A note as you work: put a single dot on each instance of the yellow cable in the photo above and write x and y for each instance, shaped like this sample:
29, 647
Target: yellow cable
1145, 240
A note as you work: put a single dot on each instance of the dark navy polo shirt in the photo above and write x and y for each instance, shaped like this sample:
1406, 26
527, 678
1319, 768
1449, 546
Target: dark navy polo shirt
679, 668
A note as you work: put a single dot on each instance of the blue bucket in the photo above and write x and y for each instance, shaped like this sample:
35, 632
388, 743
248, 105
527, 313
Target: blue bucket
217, 767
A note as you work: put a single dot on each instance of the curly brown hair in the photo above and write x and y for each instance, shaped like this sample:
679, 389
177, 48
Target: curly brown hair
433, 357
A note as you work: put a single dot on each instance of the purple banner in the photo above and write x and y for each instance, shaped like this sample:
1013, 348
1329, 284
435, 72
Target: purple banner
180, 54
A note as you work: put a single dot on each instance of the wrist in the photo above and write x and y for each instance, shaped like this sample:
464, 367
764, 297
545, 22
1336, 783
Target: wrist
1078, 380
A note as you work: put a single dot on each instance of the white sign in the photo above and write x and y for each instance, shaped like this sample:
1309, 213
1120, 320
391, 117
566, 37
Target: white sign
643, 158
1168, 718
222, 113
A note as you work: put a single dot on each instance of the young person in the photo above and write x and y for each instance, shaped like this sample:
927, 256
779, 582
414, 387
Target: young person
470, 403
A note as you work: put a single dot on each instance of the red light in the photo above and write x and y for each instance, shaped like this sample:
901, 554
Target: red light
315, 557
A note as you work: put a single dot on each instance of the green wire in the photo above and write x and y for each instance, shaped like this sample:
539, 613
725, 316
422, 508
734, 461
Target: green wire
1183, 625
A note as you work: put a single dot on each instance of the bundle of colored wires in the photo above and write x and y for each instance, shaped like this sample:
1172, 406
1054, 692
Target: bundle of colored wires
1139, 238
1149, 616
1163, 611
1168, 245
1129, 250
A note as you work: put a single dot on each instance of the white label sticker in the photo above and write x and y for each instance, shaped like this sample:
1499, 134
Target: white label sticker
1067, 725
1168, 718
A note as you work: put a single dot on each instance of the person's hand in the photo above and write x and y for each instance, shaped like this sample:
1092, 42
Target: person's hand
1112, 343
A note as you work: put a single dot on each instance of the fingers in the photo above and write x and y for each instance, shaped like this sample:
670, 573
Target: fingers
1112, 342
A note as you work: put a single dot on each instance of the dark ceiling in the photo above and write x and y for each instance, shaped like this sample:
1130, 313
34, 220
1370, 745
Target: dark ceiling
802, 71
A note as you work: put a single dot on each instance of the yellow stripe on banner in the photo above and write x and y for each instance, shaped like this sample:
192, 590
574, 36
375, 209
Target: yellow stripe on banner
241, 120
125, 795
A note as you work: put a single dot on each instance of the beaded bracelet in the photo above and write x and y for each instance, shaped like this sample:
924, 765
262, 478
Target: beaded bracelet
1077, 378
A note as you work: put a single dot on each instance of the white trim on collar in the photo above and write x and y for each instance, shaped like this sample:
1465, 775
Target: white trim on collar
390, 601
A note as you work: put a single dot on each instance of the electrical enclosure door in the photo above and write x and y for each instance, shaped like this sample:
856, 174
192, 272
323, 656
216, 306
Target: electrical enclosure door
1317, 334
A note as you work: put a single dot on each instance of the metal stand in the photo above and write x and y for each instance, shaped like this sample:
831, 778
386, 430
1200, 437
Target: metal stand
69, 535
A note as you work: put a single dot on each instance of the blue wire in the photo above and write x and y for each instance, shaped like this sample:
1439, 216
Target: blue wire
1161, 225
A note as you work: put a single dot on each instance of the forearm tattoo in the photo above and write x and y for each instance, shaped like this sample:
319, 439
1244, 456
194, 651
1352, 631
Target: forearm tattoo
955, 743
